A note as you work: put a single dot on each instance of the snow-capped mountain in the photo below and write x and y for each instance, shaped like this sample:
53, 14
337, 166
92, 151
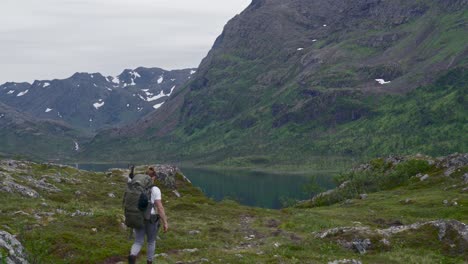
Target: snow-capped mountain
91, 101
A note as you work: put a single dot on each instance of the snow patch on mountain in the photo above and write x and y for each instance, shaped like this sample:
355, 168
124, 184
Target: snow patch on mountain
161, 79
23, 93
192, 71
135, 74
114, 80
172, 90
48, 110
382, 81
98, 104
77, 146
46, 84
156, 97
11, 92
156, 106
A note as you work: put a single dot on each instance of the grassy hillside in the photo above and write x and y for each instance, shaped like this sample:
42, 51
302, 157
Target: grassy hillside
82, 223
22, 135
431, 119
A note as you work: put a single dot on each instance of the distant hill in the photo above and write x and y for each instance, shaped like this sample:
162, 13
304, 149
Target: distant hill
24, 135
91, 101
291, 80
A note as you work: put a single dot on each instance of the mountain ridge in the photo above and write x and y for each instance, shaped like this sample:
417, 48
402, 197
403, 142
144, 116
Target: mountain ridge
102, 100
288, 77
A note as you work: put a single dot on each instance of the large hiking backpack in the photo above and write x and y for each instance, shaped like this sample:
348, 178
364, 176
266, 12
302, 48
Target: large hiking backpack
136, 201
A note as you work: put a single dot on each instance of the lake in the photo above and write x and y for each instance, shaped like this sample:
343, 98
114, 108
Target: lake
260, 189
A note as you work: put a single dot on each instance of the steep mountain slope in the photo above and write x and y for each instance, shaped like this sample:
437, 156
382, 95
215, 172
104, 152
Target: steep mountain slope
92, 101
293, 79
22, 134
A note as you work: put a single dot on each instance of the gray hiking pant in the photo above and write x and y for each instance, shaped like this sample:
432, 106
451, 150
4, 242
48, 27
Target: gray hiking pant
151, 231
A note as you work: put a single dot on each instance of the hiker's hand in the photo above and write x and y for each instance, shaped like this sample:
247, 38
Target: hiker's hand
165, 227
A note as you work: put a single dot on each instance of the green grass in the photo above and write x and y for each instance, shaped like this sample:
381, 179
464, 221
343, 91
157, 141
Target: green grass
228, 229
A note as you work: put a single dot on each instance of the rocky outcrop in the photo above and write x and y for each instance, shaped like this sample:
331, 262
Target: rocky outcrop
15, 253
42, 184
167, 174
452, 162
7, 184
362, 238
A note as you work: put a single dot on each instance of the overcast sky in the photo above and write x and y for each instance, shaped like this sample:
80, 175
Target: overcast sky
47, 39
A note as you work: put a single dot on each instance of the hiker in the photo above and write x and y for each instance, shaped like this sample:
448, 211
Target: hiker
151, 226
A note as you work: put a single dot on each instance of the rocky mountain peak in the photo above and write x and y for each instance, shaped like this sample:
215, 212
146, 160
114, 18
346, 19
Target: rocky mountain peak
91, 101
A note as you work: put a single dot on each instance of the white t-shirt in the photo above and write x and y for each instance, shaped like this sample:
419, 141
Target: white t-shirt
155, 195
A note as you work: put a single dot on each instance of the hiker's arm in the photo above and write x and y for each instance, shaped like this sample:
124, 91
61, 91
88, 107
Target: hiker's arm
162, 214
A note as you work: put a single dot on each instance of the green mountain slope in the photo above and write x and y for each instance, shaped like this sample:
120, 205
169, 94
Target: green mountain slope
288, 81
39, 139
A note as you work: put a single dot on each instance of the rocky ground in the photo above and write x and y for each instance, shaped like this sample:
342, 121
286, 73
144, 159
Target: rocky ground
394, 210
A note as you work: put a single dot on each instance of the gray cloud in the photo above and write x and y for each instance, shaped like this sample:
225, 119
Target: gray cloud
50, 39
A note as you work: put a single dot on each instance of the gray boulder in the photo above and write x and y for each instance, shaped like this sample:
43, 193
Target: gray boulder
13, 187
14, 249
452, 232
345, 261
425, 177
42, 184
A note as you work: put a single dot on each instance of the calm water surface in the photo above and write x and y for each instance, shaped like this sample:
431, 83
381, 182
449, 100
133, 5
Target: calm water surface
259, 189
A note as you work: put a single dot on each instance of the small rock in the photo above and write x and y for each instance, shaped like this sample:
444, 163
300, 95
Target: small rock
348, 201
176, 193
162, 255
344, 184
406, 201
277, 245
190, 250
450, 171
425, 177
445, 202
94, 230
77, 193
345, 261
465, 178
385, 242
80, 213
111, 195
361, 246
21, 213
44, 204
194, 232
363, 196
239, 255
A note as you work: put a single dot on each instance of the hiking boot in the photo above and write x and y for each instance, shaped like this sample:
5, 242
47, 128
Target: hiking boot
131, 259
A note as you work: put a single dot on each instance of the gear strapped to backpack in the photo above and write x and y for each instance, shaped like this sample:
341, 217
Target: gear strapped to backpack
137, 200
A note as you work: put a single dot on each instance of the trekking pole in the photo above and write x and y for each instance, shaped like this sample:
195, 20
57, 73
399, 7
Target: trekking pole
132, 172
